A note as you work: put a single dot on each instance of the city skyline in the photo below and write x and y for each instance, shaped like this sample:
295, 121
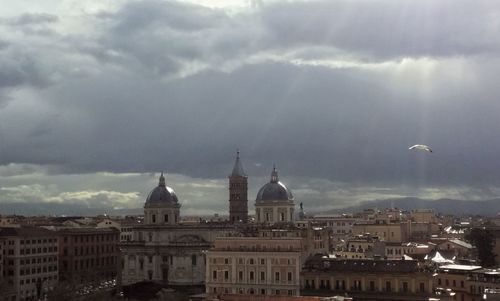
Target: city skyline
97, 98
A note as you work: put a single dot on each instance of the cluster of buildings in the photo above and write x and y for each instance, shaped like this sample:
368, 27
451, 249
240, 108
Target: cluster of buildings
49, 253
279, 253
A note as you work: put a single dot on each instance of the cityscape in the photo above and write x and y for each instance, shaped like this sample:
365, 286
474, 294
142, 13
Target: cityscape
279, 253
249, 150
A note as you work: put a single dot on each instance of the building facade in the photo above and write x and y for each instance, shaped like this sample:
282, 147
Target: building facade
88, 255
366, 279
254, 266
467, 281
265, 260
164, 250
30, 261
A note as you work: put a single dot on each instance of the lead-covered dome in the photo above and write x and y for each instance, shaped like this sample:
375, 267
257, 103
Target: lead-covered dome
274, 190
162, 194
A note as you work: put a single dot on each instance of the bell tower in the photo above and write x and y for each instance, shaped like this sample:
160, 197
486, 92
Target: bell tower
238, 193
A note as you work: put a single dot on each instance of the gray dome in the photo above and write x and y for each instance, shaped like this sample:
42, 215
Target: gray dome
162, 194
274, 190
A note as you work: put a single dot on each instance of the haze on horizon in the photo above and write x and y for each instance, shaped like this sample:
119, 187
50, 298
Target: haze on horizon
98, 97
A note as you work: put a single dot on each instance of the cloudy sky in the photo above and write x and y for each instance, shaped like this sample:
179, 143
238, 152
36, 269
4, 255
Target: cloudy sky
98, 96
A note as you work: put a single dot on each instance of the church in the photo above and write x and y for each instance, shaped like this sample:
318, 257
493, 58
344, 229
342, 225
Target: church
166, 251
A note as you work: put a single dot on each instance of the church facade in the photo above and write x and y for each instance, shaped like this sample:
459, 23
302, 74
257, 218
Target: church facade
166, 251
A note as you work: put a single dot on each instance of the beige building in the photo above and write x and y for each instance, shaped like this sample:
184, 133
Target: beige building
366, 279
340, 225
254, 265
6, 221
30, 261
391, 232
265, 261
423, 216
411, 249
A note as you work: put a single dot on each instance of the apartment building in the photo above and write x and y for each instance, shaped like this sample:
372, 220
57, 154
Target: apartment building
263, 260
88, 255
254, 266
367, 279
30, 257
469, 282
386, 231
340, 225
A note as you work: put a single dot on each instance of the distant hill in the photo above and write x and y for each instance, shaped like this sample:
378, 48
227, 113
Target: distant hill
54, 208
445, 206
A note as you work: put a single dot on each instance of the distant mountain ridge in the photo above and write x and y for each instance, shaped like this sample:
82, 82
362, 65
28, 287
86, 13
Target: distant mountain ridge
445, 206
58, 209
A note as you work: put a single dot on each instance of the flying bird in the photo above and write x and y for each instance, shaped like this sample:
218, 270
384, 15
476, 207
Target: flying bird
422, 147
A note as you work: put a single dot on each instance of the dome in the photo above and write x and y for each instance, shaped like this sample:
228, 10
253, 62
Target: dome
274, 190
162, 194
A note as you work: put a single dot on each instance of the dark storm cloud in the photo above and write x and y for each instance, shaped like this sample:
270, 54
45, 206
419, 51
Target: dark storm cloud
158, 35
16, 70
340, 124
159, 85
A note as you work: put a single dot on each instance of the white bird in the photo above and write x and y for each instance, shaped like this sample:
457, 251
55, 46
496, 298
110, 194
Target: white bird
421, 147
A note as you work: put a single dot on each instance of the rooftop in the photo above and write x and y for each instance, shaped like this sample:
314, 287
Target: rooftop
26, 231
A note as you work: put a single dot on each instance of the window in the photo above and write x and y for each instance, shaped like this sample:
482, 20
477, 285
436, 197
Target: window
405, 286
193, 260
214, 275
262, 276
422, 287
226, 275
251, 275
153, 218
289, 276
240, 275
166, 218
277, 276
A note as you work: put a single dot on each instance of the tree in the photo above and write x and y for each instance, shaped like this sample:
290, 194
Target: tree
482, 239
